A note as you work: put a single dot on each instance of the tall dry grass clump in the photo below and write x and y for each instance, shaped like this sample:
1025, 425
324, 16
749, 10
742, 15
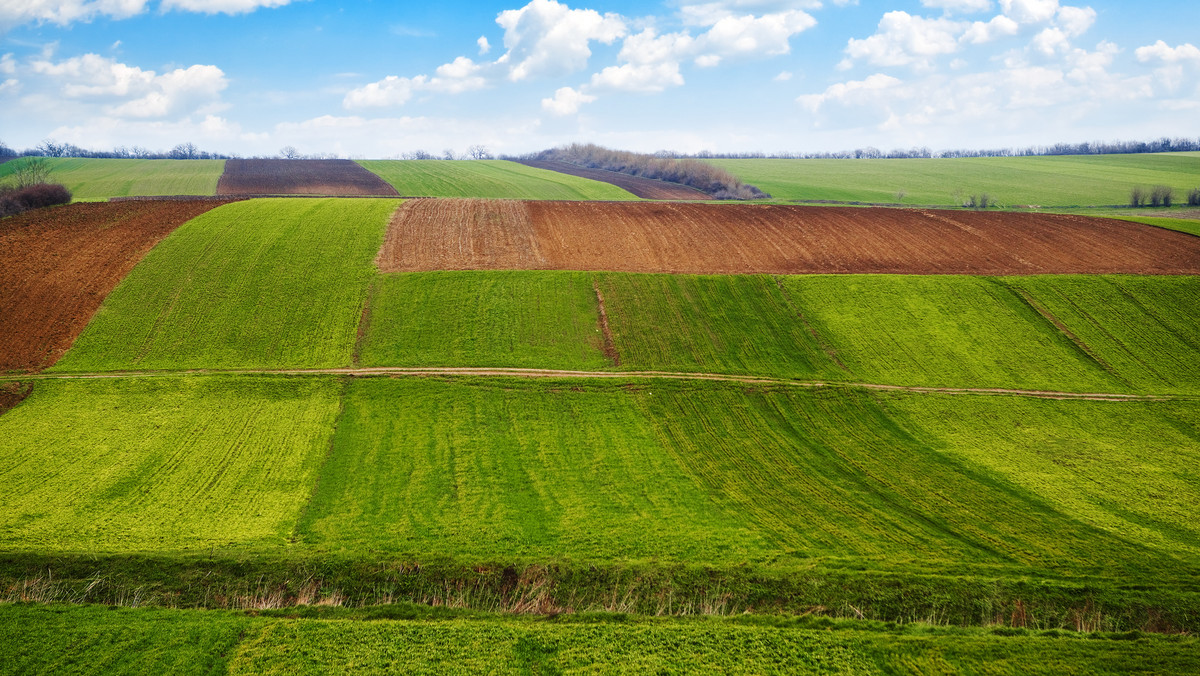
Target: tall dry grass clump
693, 173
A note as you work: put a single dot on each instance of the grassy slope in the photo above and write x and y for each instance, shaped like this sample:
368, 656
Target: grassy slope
92, 179
1190, 226
98, 640
947, 331
488, 178
161, 465
261, 283
1045, 181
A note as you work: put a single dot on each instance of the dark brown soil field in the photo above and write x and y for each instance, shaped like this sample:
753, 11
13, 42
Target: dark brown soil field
769, 239
646, 188
58, 264
300, 177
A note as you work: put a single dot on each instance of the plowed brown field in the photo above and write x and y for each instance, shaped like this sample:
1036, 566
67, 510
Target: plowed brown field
741, 238
300, 177
57, 265
646, 188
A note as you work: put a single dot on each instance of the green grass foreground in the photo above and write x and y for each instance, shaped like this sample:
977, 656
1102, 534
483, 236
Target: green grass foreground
91, 639
1056, 333
100, 179
640, 496
259, 283
496, 179
1091, 180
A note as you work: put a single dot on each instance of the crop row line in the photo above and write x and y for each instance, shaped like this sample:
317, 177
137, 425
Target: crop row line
611, 375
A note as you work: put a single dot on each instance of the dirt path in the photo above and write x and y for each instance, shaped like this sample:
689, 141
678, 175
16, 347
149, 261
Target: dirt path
498, 372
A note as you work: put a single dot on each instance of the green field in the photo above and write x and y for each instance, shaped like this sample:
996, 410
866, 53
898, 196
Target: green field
497, 179
90, 639
1058, 333
92, 179
1189, 225
261, 283
1091, 180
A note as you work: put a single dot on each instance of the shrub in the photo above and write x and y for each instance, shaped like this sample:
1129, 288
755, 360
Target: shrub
16, 200
1161, 196
1137, 197
1194, 198
982, 201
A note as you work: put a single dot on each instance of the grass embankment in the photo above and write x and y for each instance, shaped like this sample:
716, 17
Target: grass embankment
99, 179
1010, 181
93, 639
256, 284
640, 496
488, 179
1189, 225
1055, 333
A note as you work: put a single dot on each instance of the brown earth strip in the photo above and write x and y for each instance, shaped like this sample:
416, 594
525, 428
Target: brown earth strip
12, 394
57, 265
771, 239
646, 188
300, 177
610, 346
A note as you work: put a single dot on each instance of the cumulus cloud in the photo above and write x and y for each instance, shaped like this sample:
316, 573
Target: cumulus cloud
63, 12
458, 76
853, 92
1161, 51
126, 91
1029, 11
484, 45
906, 40
1076, 21
638, 77
999, 27
566, 101
548, 38
959, 6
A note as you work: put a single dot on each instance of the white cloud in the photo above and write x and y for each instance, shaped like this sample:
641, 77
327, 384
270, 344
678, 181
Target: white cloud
1030, 11
566, 101
8, 65
709, 13
853, 92
460, 75
638, 77
906, 40
126, 91
63, 12
484, 45
1076, 21
1051, 41
1161, 51
10, 86
548, 38
959, 6
999, 27
390, 91
222, 6
783, 76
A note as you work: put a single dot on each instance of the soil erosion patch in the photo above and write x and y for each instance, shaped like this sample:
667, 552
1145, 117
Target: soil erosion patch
57, 266
646, 188
300, 177
770, 239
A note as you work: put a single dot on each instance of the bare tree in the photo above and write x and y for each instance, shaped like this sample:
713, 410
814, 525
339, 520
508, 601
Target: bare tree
448, 154
901, 194
184, 151
1193, 199
51, 148
29, 171
290, 153
418, 155
5, 151
479, 152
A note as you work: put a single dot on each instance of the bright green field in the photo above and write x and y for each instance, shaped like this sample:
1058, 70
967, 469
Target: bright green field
489, 178
91, 639
161, 465
1010, 181
1122, 333
260, 283
1190, 226
94, 179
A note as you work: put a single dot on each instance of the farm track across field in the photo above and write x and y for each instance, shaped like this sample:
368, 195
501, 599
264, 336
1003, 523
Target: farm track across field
429, 235
610, 375
646, 188
58, 265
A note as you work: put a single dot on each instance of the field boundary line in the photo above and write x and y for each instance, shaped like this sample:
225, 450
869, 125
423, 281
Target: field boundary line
507, 372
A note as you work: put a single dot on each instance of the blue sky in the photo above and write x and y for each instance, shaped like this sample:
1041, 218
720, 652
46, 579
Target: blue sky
376, 79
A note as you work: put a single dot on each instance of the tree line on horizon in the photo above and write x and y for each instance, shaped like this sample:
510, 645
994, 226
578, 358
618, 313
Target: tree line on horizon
1161, 145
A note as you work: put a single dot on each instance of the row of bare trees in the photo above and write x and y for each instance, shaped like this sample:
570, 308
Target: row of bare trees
693, 173
1161, 145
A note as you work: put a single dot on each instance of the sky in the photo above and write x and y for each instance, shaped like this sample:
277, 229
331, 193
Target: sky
374, 79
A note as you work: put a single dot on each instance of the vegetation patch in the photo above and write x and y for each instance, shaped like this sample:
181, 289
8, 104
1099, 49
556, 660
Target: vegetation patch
495, 179
261, 283
100, 179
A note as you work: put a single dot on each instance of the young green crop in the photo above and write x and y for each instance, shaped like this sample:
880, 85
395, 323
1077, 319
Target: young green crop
1044, 181
100, 179
161, 465
255, 284
489, 179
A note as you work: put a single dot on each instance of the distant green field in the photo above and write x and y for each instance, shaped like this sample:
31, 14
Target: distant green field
1010, 181
92, 179
260, 283
1078, 334
1188, 225
92, 639
497, 179
161, 465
